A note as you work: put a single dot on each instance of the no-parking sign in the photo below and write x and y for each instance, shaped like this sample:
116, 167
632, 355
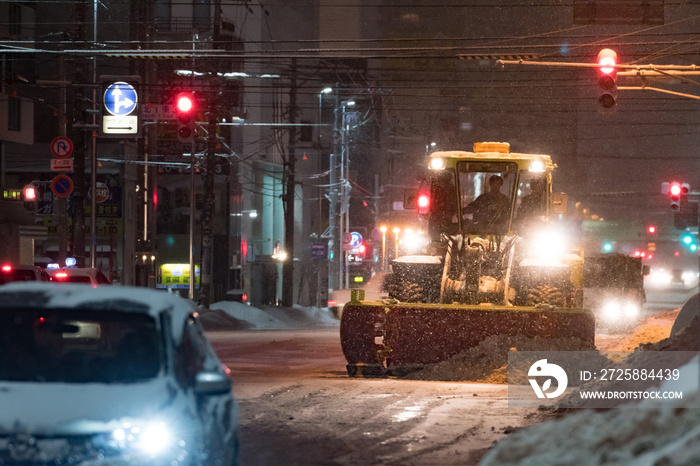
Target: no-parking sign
62, 185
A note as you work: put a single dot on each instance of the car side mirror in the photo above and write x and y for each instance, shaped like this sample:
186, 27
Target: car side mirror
646, 270
559, 203
410, 199
212, 383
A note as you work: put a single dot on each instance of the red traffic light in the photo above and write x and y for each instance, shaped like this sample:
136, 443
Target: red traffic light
184, 103
185, 107
29, 193
607, 59
674, 189
423, 203
651, 229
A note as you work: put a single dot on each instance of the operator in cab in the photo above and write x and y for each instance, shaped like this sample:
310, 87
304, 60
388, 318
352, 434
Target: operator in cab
533, 206
491, 210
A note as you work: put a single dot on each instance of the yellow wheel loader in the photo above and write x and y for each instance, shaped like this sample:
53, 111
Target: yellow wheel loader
498, 264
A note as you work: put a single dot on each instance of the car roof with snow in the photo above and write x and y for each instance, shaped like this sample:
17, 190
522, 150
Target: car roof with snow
106, 298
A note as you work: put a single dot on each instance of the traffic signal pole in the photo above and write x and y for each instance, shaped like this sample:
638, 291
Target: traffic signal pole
627, 71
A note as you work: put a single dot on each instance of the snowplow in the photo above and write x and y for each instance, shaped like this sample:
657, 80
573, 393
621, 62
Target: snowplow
496, 264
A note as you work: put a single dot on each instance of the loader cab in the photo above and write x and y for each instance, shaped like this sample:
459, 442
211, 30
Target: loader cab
488, 192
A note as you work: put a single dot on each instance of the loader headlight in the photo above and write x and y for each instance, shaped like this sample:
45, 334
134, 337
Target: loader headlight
537, 166
547, 245
437, 163
413, 242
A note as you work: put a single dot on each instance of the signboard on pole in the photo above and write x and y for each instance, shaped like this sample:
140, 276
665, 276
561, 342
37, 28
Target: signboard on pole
62, 185
319, 250
61, 147
62, 165
120, 113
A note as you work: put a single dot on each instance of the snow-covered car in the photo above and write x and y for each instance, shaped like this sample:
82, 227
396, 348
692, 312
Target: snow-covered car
110, 375
22, 273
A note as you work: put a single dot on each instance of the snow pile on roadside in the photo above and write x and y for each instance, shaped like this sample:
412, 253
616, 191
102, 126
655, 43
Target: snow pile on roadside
668, 434
647, 356
652, 329
643, 433
231, 315
488, 362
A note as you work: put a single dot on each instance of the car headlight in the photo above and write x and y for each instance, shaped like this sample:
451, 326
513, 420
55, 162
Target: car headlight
610, 310
631, 309
659, 277
614, 309
152, 438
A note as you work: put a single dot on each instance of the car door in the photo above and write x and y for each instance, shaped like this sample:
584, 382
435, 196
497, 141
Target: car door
216, 413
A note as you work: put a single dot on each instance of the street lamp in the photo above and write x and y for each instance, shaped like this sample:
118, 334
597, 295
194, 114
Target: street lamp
383, 230
344, 184
396, 231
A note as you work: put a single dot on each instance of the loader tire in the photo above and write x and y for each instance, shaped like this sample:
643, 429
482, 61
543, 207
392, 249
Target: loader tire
406, 291
545, 294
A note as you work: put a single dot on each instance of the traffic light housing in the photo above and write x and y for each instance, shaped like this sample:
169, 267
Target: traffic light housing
423, 203
30, 196
674, 194
607, 80
185, 110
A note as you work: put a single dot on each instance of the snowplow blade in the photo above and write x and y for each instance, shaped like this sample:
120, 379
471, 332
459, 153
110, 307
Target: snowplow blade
398, 338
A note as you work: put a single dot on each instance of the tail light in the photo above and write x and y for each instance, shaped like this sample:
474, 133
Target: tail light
423, 203
61, 275
7, 268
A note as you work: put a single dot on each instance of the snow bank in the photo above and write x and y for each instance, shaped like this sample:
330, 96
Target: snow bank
488, 362
658, 434
655, 436
230, 315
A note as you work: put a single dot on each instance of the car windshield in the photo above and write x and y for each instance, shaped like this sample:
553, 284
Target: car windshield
16, 275
78, 346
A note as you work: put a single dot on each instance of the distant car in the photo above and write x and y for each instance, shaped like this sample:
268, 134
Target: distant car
22, 273
113, 375
374, 290
88, 275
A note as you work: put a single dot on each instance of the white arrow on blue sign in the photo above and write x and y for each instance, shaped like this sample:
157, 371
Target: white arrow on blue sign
120, 99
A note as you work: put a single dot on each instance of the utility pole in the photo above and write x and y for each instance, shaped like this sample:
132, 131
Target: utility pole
288, 264
60, 203
79, 141
208, 206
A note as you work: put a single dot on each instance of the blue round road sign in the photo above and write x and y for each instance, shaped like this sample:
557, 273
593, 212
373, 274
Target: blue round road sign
120, 99
62, 185
356, 240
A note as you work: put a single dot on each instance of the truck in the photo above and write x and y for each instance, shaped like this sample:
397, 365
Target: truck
497, 263
614, 289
